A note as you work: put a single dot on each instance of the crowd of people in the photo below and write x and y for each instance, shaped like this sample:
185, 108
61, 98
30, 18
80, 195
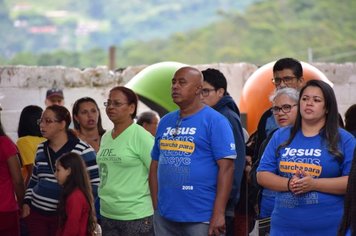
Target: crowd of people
191, 172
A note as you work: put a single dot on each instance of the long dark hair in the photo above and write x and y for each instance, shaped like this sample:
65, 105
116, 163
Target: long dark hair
329, 132
78, 178
349, 217
28, 121
75, 112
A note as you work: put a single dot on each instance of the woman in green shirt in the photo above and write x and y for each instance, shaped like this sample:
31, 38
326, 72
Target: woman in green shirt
124, 159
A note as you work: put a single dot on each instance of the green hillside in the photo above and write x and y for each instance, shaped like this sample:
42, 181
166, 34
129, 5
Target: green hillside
319, 30
43, 26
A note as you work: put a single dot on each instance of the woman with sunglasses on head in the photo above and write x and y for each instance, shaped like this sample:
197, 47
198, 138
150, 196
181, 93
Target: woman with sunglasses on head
284, 110
87, 121
124, 158
308, 165
43, 192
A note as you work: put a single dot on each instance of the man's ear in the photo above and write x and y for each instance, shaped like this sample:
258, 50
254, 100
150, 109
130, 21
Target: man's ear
301, 81
199, 88
220, 92
145, 125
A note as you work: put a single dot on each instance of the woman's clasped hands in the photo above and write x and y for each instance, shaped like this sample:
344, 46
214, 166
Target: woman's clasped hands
301, 182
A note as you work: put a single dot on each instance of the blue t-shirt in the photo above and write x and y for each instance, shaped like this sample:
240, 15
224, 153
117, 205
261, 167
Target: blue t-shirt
312, 213
271, 124
187, 151
348, 232
267, 203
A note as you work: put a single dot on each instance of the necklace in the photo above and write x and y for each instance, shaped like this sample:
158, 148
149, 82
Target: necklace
50, 160
178, 124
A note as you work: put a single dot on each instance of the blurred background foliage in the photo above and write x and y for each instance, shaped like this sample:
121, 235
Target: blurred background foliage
79, 33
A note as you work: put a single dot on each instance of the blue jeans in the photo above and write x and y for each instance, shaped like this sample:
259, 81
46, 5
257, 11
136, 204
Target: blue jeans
164, 227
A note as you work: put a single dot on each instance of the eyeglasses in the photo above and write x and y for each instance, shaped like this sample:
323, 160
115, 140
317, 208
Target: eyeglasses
114, 104
205, 91
286, 79
46, 121
286, 108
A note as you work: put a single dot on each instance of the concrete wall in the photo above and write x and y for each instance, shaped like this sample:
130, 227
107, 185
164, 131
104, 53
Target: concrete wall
21, 85
344, 78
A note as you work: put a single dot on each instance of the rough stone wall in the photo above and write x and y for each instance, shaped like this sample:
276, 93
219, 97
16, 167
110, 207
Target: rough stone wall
22, 85
344, 78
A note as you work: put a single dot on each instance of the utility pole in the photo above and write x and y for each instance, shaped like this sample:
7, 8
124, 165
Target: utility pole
112, 62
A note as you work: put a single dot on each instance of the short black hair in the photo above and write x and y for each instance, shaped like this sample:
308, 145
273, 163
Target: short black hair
289, 63
215, 78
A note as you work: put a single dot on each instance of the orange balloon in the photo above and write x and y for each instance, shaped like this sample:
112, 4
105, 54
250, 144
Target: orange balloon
254, 100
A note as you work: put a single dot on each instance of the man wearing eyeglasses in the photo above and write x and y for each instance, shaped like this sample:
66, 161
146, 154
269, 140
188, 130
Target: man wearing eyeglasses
192, 164
215, 95
287, 72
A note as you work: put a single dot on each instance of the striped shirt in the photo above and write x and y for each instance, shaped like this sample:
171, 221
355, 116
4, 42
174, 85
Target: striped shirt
43, 190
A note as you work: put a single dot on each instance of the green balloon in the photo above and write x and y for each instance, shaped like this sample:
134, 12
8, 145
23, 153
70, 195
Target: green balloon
153, 85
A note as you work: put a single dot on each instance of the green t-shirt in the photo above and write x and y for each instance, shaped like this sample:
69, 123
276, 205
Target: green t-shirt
124, 164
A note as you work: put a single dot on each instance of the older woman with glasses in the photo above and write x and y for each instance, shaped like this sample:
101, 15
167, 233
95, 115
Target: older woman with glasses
43, 192
308, 166
284, 110
124, 159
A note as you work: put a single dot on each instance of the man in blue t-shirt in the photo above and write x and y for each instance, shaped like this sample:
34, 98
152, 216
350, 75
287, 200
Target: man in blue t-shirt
215, 95
192, 163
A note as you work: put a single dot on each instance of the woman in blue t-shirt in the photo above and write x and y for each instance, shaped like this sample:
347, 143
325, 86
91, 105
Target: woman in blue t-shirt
308, 165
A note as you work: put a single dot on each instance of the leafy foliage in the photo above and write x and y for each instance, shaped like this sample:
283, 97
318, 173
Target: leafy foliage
200, 31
